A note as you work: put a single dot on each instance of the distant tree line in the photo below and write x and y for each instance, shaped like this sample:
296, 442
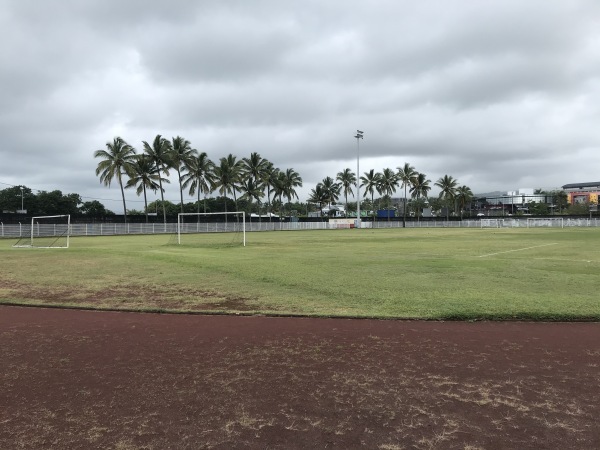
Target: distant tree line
43, 203
452, 196
12, 199
252, 184
254, 178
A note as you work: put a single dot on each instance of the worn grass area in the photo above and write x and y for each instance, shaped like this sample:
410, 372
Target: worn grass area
409, 273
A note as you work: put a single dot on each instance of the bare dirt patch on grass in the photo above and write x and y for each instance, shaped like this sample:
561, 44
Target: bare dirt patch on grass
128, 296
77, 379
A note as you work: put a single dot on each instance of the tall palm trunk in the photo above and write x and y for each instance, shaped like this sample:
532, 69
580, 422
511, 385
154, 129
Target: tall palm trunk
269, 207
162, 199
346, 205
180, 187
404, 209
123, 196
145, 203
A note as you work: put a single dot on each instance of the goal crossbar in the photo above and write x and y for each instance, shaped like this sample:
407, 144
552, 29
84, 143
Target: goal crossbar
64, 231
491, 223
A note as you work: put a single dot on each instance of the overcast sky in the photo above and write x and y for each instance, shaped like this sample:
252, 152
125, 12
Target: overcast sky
501, 95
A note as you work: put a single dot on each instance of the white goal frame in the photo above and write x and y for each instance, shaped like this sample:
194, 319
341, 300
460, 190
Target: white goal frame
202, 214
32, 234
491, 223
545, 222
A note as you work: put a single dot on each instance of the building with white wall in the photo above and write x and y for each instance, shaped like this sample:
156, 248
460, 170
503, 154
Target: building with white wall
515, 201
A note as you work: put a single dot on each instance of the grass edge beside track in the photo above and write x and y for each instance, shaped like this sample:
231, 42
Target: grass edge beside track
475, 317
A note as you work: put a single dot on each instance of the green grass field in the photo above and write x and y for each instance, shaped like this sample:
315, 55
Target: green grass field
539, 274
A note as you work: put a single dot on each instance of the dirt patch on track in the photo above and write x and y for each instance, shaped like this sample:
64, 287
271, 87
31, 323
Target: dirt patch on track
83, 379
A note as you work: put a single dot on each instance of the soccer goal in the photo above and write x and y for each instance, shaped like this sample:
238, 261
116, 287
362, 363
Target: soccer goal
47, 232
492, 223
212, 229
553, 222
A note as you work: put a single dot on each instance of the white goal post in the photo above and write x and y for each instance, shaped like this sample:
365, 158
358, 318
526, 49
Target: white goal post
47, 232
211, 224
491, 223
553, 222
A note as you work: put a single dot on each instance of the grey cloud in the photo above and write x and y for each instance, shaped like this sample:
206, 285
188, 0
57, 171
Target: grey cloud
214, 50
496, 94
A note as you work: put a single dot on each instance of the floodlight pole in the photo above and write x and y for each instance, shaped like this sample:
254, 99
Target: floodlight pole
22, 208
359, 135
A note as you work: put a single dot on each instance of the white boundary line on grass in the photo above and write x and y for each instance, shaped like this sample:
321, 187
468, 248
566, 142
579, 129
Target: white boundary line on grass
566, 260
518, 249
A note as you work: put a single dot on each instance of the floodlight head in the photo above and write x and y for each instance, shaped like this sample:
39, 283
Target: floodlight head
359, 132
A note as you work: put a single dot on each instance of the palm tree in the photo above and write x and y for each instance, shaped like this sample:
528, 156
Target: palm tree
447, 186
370, 181
406, 177
199, 176
252, 190
279, 189
347, 179
227, 177
270, 176
181, 153
319, 196
117, 160
388, 182
144, 175
420, 188
331, 190
464, 196
256, 167
160, 154
291, 180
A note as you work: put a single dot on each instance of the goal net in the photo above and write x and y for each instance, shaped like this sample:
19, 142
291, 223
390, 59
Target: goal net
492, 223
554, 222
212, 229
46, 232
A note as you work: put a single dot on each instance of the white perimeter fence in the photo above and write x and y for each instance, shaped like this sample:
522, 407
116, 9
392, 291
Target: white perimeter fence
105, 229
